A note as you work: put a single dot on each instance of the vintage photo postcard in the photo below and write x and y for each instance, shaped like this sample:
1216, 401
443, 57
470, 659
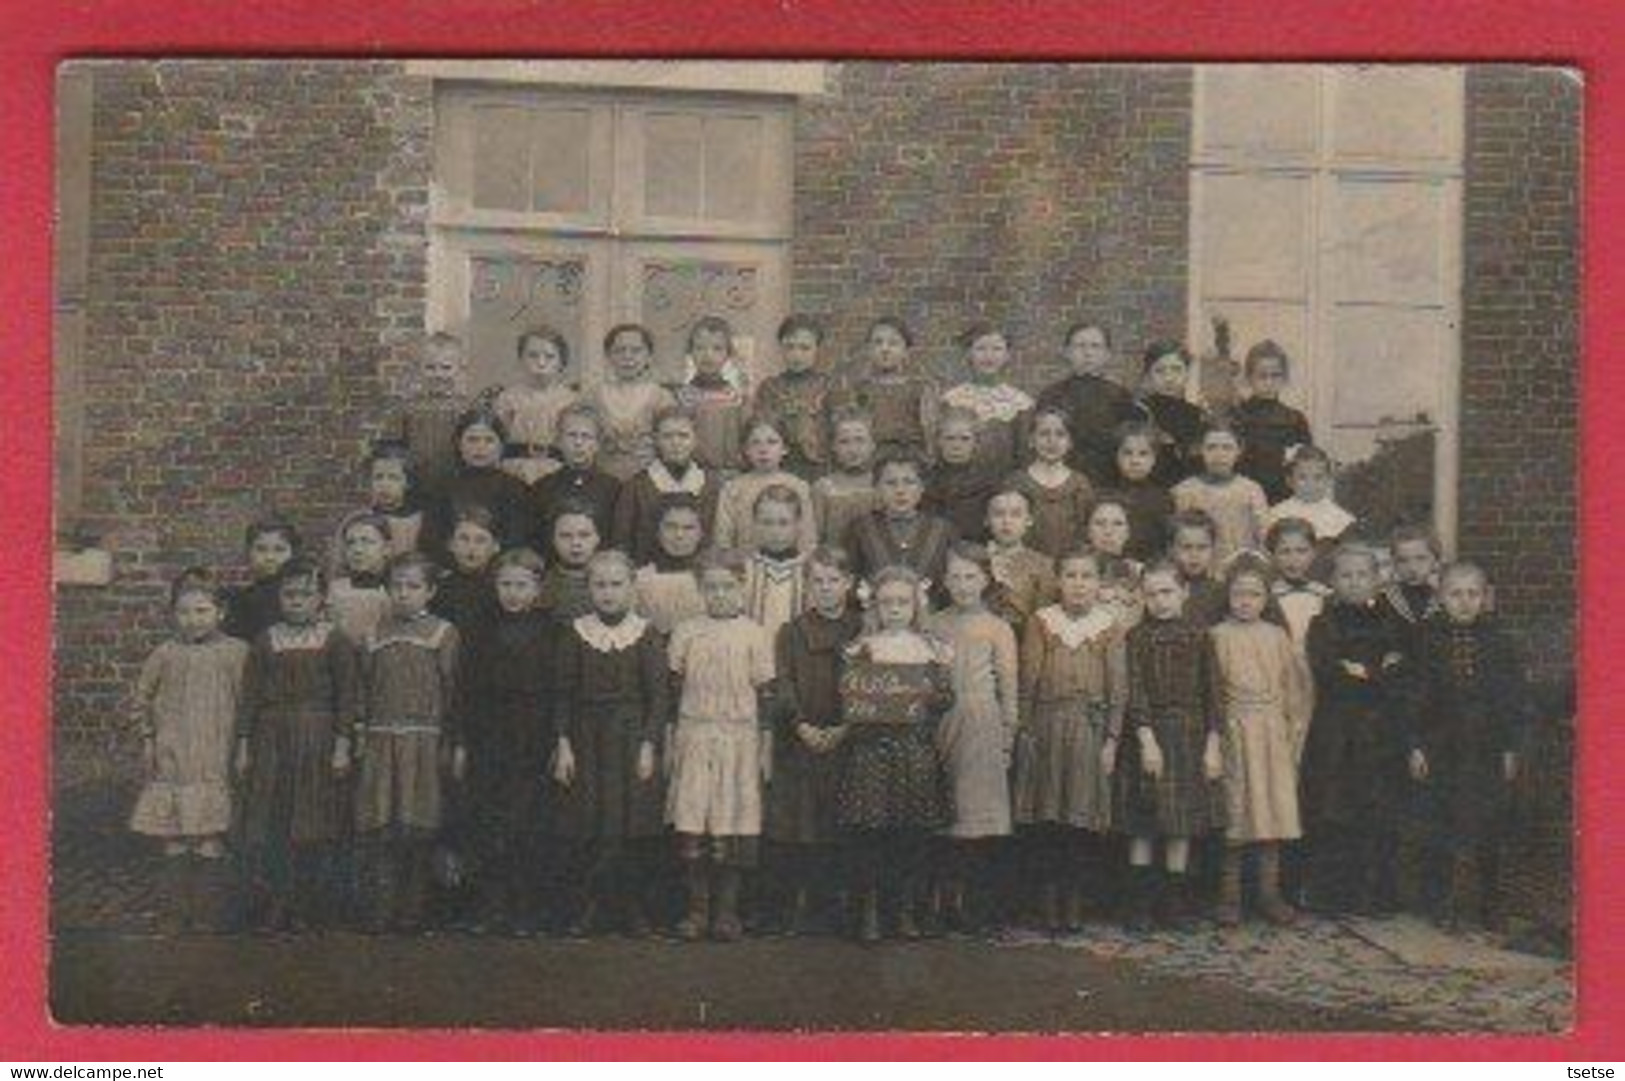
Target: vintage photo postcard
822, 546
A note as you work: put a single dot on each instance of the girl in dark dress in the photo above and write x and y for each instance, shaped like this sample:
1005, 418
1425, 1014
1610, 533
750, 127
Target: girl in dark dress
300, 704
251, 609
506, 714
1146, 499
895, 686
1178, 424
1468, 715
465, 596
898, 533
801, 800
481, 481
578, 481
674, 472
1266, 425
612, 699
959, 485
573, 542
1170, 759
1353, 766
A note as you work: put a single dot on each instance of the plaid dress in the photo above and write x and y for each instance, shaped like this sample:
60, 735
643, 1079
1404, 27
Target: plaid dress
1172, 691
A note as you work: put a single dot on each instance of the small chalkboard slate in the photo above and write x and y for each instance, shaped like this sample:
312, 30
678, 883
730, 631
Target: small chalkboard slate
896, 694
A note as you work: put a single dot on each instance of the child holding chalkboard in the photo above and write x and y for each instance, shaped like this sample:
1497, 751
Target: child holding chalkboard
890, 799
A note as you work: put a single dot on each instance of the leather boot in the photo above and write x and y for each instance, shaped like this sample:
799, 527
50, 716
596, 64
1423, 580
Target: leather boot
1137, 910
692, 926
727, 927
1271, 904
1227, 913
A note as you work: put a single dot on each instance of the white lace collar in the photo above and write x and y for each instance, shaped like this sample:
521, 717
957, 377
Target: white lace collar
1075, 631
608, 638
1001, 402
693, 481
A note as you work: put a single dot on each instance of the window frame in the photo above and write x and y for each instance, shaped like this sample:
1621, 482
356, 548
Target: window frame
1325, 167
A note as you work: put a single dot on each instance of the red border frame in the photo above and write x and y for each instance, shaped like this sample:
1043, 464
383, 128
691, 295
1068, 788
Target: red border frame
1588, 35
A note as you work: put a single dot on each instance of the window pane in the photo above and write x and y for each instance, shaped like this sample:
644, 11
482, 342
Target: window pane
561, 149
1254, 233
732, 167
1397, 113
501, 158
673, 155
1389, 242
1253, 110
1387, 367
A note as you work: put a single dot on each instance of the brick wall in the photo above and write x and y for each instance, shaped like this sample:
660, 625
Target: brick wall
1025, 194
257, 271
1521, 349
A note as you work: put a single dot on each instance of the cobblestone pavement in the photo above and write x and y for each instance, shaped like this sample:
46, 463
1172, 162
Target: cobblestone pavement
1402, 974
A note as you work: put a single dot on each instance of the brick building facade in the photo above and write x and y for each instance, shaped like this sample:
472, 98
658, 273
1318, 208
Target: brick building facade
257, 258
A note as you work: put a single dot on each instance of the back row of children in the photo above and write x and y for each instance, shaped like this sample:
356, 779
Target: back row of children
545, 680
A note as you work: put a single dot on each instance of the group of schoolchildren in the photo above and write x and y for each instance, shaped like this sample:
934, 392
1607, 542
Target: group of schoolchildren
842, 650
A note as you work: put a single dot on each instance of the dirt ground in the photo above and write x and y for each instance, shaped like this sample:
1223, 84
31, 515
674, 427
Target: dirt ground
345, 979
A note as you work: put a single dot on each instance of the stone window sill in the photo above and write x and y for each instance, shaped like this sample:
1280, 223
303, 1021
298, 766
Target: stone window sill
82, 567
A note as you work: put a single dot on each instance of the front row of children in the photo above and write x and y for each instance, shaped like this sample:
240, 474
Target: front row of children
958, 746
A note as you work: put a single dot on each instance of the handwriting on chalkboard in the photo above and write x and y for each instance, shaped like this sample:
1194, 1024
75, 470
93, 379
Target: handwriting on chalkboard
883, 694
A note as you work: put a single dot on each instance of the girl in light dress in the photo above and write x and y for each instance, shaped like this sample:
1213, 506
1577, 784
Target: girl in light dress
976, 736
531, 409
627, 401
1264, 693
736, 506
1060, 496
1234, 502
847, 491
1002, 409
722, 747
1074, 684
186, 700
358, 598
1310, 473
